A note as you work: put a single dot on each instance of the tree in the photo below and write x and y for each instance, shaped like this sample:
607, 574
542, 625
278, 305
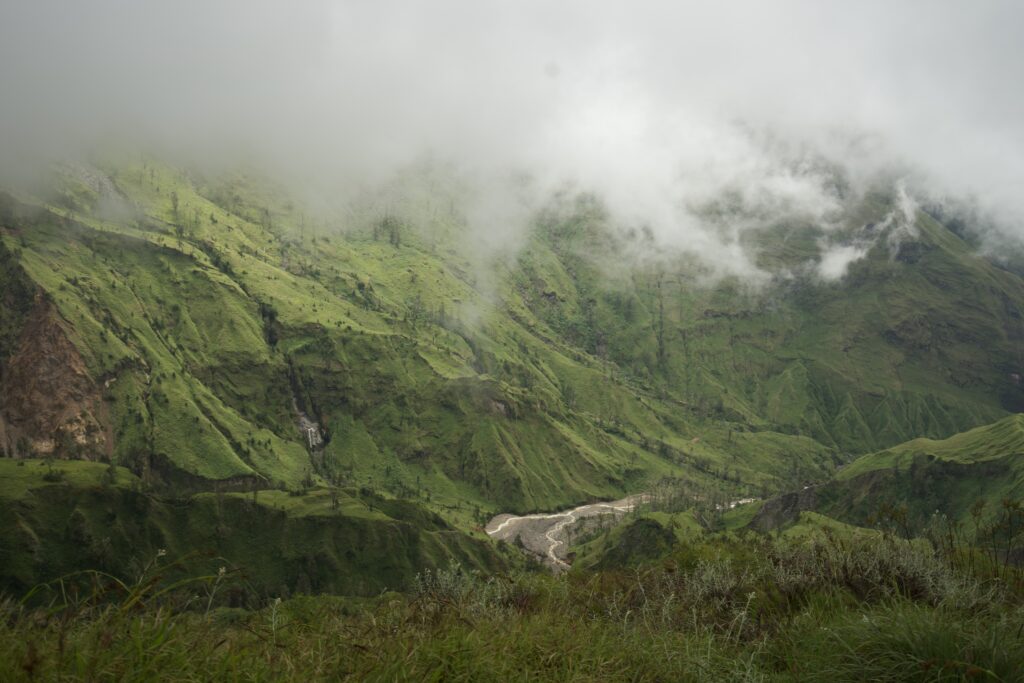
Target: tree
569, 395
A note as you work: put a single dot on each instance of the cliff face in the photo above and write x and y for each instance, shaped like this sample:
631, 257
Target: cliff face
49, 405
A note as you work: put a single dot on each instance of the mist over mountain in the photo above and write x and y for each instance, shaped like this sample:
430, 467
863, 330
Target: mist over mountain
511, 341
658, 110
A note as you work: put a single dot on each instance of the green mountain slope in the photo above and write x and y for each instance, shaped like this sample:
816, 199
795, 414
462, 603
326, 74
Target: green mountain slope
87, 515
205, 332
971, 483
1003, 439
919, 339
965, 478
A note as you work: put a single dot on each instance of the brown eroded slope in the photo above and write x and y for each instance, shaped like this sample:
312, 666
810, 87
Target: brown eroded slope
49, 404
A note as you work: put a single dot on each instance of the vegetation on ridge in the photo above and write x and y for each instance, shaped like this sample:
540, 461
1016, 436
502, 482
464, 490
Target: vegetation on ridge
292, 409
837, 609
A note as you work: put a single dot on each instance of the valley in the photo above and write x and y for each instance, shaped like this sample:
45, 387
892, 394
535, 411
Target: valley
211, 339
209, 385
565, 342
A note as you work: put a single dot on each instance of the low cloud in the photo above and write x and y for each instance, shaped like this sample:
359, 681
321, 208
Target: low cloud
695, 121
836, 260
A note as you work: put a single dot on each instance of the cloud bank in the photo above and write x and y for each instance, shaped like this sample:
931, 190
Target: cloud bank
660, 108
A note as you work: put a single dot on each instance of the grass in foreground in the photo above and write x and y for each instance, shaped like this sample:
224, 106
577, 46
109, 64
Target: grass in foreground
829, 609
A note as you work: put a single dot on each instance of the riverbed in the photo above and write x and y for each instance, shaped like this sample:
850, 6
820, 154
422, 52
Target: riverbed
546, 534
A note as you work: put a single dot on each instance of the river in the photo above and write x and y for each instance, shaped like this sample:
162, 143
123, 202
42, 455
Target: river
545, 534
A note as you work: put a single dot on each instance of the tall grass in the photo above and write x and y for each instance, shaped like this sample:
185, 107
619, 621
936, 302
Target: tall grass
750, 610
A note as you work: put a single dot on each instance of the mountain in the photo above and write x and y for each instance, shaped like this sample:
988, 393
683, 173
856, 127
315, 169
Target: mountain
208, 334
965, 478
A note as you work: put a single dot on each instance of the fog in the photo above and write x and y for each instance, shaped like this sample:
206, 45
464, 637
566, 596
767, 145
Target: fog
660, 109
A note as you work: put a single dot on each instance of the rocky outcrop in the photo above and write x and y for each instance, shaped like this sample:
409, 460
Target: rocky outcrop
49, 404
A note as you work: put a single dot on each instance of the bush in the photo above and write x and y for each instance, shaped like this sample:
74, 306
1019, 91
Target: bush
52, 475
908, 642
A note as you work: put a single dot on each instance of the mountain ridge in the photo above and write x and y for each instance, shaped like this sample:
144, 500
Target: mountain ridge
558, 380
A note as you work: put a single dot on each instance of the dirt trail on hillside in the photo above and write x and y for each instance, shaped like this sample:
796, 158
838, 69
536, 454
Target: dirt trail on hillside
545, 534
